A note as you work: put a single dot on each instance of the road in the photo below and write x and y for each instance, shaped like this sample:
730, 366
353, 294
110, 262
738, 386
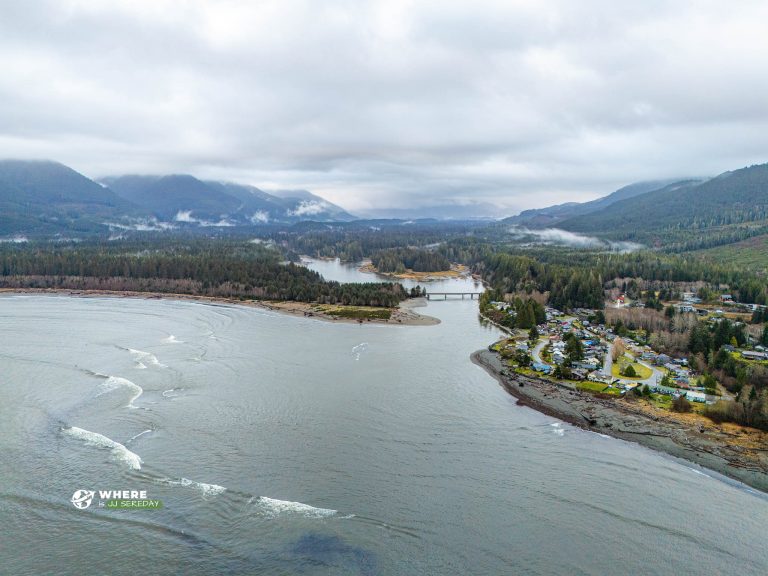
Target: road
536, 352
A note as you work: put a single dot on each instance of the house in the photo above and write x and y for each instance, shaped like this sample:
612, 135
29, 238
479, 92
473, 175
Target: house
591, 363
685, 308
662, 359
579, 374
689, 296
726, 298
696, 396
543, 368
754, 355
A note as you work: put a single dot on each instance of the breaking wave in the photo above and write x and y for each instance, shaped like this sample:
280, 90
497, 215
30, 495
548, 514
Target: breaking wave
142, 358
172, 340
115, 382
119, 451
206, 489
272, 508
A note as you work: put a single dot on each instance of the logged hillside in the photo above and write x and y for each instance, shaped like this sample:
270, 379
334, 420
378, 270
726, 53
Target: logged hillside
722, 210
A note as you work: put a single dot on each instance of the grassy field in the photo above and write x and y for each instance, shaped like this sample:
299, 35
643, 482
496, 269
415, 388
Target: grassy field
597, 387
642, 372
592, 386
357, 312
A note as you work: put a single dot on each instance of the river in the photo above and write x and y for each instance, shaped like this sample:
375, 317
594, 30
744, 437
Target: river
288, 445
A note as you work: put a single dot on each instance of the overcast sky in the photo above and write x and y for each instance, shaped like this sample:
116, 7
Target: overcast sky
515, 103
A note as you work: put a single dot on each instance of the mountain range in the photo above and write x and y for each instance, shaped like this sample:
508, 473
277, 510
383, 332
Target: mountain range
43, 197
686, 214
553, 215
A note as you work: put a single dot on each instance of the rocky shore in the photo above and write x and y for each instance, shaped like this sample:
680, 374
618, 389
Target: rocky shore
734, 451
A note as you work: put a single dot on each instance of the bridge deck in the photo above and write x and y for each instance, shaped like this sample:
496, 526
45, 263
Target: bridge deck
446, 294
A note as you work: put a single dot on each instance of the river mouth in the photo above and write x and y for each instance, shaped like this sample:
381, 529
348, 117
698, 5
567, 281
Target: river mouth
283, 444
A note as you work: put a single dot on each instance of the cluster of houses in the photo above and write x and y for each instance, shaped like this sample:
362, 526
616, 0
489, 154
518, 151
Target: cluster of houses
596, 339
556, 329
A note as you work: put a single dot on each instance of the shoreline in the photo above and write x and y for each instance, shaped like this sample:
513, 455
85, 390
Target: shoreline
456, 271
403, 315
736, 452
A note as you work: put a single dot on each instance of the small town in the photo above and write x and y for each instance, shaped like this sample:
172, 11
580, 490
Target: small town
583, 351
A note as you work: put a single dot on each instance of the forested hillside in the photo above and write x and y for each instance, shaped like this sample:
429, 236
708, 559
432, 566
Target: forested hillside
47, 197
731, 206
553, 215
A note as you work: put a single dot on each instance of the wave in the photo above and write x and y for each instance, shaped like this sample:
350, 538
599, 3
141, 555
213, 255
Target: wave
141, 357
206, 489
114, 382
137, 435
358, 350
119, 451
272, 508
170, 392
172, 340
557, 429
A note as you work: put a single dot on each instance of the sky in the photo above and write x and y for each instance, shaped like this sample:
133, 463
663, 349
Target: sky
485, 106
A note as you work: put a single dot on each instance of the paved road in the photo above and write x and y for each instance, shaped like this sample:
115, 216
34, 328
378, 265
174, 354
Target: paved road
536, 352
608, 361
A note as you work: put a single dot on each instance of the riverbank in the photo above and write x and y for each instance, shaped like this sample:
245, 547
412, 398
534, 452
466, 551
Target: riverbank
403, 315
734, 451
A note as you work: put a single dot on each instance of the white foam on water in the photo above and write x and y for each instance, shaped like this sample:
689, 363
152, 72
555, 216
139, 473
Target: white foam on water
119, 452
170, 392
272, 508
143, 358
358, 350
137, 435
171, 340
140, 366
557, 429
206, 489
115, 382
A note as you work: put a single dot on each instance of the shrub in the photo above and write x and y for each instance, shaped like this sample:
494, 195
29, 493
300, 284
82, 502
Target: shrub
681, 404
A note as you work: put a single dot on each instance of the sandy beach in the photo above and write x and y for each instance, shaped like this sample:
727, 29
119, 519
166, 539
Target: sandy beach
403, 315
738, 452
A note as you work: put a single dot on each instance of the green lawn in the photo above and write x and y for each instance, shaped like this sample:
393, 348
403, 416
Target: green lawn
642, 372
592, 386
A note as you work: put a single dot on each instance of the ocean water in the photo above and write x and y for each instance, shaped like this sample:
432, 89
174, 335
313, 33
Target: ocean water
285, 445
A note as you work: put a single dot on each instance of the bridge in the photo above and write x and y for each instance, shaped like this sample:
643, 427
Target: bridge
431, 295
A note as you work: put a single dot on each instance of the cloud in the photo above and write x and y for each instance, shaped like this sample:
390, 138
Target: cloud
185, 216
566, 238
387, 103
260, 217
309, 208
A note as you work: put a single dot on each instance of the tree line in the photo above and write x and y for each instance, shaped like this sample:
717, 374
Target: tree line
206, 267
